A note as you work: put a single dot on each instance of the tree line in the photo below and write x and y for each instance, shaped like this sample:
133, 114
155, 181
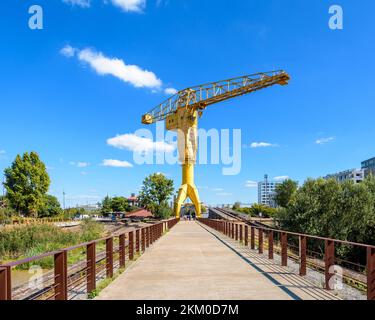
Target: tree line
27, 183
329, 208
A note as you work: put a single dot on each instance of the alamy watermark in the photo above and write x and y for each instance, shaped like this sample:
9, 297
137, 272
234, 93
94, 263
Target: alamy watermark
218, 147
336, 20
36, 18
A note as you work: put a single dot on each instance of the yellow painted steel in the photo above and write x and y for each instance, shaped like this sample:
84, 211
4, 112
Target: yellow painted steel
186, 125
181, 112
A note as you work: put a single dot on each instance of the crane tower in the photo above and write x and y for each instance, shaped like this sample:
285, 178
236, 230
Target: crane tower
181, 112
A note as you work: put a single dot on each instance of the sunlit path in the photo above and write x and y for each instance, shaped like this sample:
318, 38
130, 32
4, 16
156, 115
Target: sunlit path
193, 263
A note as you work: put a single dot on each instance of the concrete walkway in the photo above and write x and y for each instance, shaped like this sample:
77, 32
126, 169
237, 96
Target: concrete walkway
194, 262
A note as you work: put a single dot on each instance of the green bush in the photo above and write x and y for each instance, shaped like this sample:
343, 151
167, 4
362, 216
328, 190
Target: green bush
31, 240
90, 230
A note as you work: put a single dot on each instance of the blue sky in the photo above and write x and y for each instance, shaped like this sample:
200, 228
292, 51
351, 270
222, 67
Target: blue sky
65, 110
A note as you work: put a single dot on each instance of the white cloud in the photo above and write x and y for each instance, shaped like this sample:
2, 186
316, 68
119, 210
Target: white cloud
251, 184
281, 178
116, 163
130, 5
132, 74
325, 140
217, 189
79, 164
103, 65
68, 51
80, 3
138, 144
2, 154
170, 91
262, 145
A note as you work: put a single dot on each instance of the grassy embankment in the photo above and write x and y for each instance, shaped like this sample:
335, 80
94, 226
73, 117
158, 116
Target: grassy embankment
32, 240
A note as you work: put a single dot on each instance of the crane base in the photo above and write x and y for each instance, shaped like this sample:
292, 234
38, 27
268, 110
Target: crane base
188, 191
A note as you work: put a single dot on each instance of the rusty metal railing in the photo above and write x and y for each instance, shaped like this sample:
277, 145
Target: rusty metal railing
277, 240
83, 276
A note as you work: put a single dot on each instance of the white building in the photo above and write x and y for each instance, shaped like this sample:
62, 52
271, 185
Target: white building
355, 175
266, 192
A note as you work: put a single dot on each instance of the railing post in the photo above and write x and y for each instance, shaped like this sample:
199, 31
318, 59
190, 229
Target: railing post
61, 276
252, 238
329, 259
260, 240
121, 239
241, 233
5, 283
284, 249
232, 230
270, 245
236, 232
147, 237
370, 273
91, 267
246, 235
302, 255
137, 247
143, 240
131, 245
109, 257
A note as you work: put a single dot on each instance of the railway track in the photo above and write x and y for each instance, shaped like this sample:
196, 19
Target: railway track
242, 217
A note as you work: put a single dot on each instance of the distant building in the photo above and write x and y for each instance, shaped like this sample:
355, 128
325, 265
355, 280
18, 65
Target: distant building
355, 175
369, 166
133, 200
89, 207
266, 192
140, 213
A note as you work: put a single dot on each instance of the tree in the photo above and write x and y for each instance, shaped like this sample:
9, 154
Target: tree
285, 192
203, 209
115, 204
119, 204
27, 182
267, 212
155, 193
106, 206
51, 207
336, 210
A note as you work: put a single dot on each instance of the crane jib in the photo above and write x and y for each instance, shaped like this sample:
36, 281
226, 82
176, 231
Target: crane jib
200, 97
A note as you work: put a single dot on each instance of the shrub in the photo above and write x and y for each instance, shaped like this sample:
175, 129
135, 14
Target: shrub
31, 240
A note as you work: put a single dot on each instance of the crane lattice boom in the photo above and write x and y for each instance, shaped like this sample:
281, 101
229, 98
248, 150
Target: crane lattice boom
200, 97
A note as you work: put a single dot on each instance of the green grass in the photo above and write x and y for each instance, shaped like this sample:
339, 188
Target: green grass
103, 284
32, 240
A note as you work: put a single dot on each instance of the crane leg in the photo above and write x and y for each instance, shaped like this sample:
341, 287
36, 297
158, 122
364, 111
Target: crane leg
194, 196
182, 195
188, 190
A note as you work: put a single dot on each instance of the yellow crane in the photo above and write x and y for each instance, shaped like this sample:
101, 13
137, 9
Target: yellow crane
181, 112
